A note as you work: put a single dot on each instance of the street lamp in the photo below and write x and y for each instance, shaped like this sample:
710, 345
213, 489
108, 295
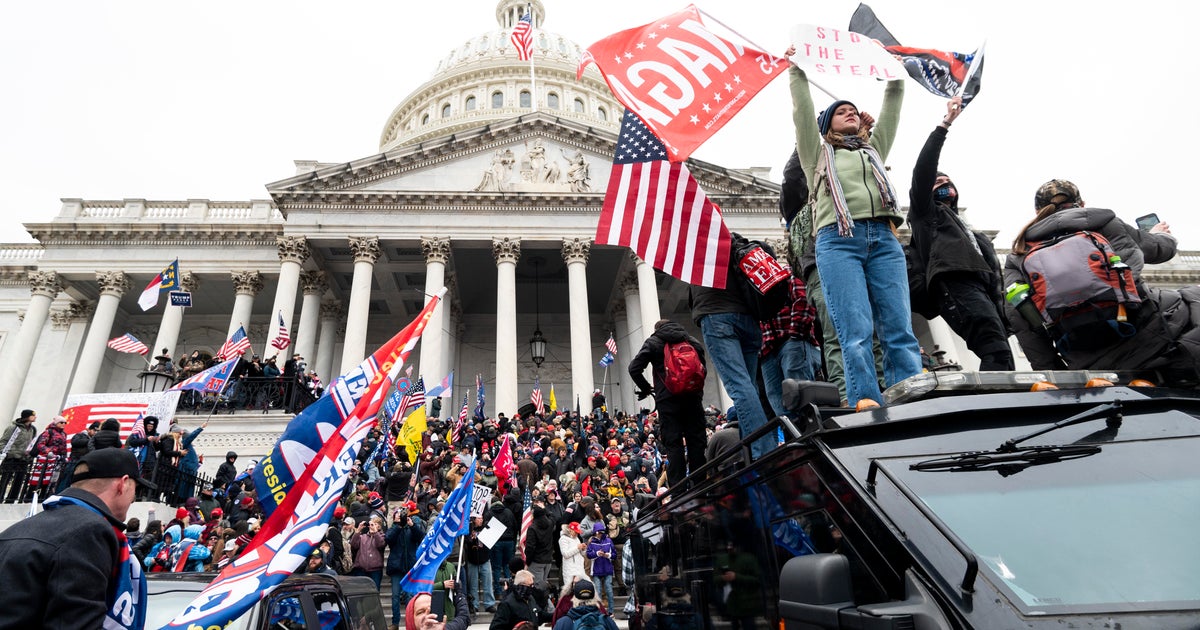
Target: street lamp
537, 343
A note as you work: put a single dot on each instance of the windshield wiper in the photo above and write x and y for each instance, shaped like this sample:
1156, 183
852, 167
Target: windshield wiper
1007, 463
1111, 412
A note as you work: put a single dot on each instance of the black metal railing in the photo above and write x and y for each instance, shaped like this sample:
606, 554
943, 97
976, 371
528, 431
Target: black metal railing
20, 479
252, 393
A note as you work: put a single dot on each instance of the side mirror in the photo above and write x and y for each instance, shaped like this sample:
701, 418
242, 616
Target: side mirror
798, 394
813, 589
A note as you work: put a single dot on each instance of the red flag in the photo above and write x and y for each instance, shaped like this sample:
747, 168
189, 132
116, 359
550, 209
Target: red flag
681, 78
586, 488
657, 209
504, 466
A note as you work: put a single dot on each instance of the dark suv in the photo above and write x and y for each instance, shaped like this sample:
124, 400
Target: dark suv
302, 601
968, 502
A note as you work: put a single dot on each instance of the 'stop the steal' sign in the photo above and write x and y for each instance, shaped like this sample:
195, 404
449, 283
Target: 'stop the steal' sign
839, 53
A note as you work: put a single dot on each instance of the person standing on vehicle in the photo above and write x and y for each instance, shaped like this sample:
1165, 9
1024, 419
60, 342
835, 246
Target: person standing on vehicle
681, 416
957, 265
71, 566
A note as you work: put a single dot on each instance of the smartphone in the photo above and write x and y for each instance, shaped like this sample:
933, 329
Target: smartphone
437, 605
1147, 221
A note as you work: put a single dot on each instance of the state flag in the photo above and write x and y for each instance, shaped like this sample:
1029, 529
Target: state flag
166, 280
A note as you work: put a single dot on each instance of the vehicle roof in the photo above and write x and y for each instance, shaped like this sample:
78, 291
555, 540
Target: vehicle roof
194, 581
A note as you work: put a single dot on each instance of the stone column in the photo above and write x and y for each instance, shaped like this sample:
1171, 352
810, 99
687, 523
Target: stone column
314, 286
625, 352
45, 286
293, 251
246, 285
647, 295
366, 252
507, 251
633, 312
433, 341
331, 312
172, 319
575, 252
113, 284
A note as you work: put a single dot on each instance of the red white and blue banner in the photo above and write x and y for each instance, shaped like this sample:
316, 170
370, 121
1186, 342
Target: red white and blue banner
300, 515
454, 521
213, 379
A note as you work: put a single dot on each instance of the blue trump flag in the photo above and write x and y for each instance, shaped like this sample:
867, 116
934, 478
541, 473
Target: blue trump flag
454, 521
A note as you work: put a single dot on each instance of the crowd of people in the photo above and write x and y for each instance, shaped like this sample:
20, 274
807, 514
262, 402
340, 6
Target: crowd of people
256, 383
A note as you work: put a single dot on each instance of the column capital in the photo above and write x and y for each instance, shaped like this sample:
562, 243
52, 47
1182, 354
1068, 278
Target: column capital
189, 281
247, 282
628, 284
576, 250
618, 311
365, 248
292, 248
313, 282
780, 245
45, 283
114, 283
635, 259
331, 310
62, 319
506, 249
436, 249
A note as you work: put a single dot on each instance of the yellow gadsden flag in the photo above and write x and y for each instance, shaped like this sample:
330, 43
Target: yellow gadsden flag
410, 434
553, 400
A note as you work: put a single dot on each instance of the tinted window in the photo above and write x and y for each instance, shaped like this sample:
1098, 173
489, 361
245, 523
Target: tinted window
366, 612
329, 610
286, 612
163, 607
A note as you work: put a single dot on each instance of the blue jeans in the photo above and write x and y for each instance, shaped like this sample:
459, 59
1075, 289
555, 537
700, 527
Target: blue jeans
399, 599
475, 573
733, 341
866, 290
603, 584
796, 359
502, 552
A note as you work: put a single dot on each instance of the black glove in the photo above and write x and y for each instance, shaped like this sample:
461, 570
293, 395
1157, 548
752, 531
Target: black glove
643, 393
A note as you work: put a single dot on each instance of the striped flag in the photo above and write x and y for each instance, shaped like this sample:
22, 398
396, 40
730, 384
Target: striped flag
526, 521
606, 360
283, 338
657, 209
166, 280
462, 420
128, 343
127, 413
211, 380
522, 37
611, 344
237, 343
536, 396
413, 398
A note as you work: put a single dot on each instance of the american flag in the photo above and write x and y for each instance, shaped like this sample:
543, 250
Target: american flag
611, 344
462, 420
237, 343
526, 521
657, 209
413, 398
283, 338
128, 343
536, 396
522, 37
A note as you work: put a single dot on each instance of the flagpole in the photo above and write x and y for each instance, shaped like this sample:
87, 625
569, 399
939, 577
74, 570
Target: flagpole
726, 26
462, 541
532, 86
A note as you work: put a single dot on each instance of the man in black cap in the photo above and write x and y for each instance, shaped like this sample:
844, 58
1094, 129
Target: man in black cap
677, 611
585, 613
14, 455
70, 566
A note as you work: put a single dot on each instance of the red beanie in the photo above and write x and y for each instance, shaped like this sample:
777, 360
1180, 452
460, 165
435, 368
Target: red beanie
181, 513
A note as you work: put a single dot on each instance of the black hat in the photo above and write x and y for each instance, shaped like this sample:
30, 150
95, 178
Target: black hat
583, 589
27, 413
826, 117
318, 554
109, 463
674, 588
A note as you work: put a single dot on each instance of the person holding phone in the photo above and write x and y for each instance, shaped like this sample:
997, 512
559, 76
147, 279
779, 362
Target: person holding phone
427, 612
368, 543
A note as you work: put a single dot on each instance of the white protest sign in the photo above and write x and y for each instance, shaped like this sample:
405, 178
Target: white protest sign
480, 498
837, 53
490, 534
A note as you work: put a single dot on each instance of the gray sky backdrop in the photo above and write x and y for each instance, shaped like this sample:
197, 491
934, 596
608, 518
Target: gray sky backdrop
164, 100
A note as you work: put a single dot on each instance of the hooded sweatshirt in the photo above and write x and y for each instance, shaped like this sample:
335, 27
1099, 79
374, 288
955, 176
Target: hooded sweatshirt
652, 354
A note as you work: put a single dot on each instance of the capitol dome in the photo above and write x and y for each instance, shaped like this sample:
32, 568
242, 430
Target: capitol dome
483, 81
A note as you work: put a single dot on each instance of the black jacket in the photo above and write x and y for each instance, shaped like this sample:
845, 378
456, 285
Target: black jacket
541, 540
501, 513
56, 566
941, 241
513, 610
652, 353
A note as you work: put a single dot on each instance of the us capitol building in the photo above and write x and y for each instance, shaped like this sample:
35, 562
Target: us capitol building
481, 182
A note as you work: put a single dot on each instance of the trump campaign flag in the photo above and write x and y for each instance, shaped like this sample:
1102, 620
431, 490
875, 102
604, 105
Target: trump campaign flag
300, 516
684, 80
213, 379
454, 521
166, 280
945, 74
657, 209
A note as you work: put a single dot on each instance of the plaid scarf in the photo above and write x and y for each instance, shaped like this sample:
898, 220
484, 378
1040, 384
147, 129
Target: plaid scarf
126, 605
829, 170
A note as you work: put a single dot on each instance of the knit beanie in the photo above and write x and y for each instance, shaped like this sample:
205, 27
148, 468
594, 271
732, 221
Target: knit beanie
826, 118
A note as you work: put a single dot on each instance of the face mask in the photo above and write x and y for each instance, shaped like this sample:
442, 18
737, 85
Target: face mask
523, 591
943, 192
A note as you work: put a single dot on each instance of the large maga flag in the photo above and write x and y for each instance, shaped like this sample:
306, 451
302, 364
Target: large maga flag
679, 77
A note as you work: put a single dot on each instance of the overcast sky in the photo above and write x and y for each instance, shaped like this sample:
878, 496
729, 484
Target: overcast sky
165, 100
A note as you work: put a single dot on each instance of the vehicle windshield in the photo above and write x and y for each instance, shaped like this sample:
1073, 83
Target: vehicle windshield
1107, 533
164, 606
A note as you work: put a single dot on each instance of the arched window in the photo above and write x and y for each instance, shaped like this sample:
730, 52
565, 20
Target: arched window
446, 110
425, 119
578, 106
470, 103
497, 100
526, 99
603, 114
552, 100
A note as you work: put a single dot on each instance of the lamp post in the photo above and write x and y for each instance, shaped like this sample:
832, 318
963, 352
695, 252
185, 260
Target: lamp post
537, 343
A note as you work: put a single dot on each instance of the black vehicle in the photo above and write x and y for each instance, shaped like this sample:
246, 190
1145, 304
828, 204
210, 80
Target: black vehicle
968, 502
302, 601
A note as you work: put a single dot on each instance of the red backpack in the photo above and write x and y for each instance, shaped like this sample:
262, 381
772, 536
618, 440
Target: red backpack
683, 370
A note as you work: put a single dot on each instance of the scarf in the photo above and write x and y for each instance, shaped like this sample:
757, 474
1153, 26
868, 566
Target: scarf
829, 170
126, 605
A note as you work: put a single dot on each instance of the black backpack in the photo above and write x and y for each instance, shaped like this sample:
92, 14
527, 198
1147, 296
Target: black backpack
762, 282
